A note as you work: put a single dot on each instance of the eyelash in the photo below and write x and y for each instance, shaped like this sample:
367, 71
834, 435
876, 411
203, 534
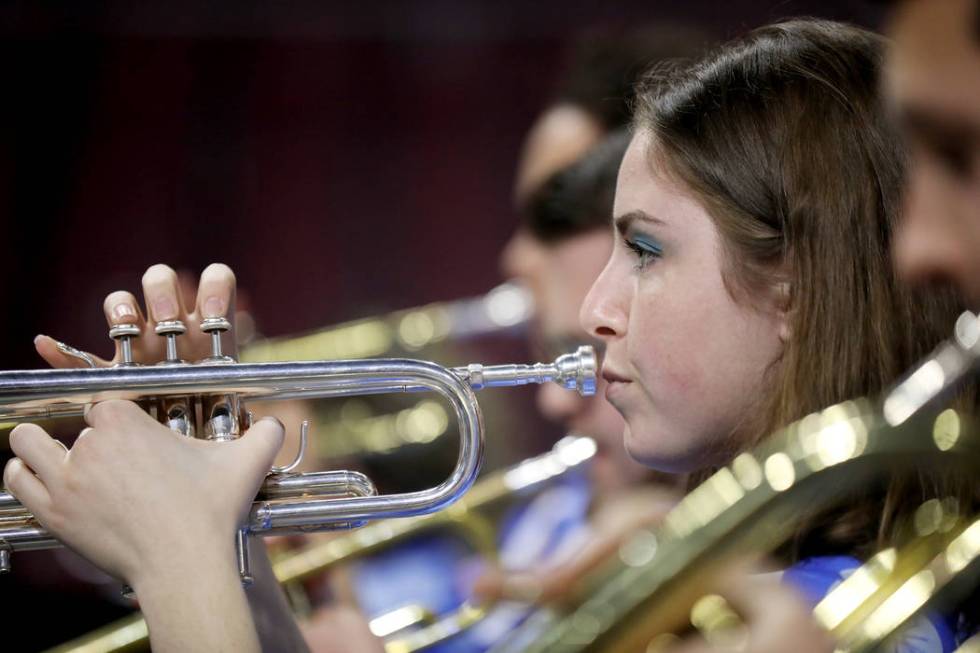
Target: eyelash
644, 256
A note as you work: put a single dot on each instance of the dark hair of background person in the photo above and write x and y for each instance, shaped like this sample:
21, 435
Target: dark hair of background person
578, 198
783, 137
605, 66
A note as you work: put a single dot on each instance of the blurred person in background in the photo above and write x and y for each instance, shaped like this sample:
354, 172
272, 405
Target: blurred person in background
933, 81
564, 187
559, 250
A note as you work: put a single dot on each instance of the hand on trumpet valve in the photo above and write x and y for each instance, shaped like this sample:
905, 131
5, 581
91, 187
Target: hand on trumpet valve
165, 330
135, 497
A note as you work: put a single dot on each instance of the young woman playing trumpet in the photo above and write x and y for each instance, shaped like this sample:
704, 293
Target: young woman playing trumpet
749, 285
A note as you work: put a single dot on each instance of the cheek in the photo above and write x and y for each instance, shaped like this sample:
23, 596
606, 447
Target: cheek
670, 333
701, 360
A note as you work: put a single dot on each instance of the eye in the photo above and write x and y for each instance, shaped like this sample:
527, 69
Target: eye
955, 157
644, 249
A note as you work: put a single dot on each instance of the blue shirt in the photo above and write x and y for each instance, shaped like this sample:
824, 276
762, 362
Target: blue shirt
816, 577
438, 571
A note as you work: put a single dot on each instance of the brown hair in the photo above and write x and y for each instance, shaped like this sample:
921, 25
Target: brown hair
782, 136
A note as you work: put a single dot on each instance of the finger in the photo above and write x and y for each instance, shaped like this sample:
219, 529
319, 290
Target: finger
260, 445
162, 294
489, 586
47, 348
216, 292
121, 307
28, 488
115, 411
38, 450
747, 590
83, 433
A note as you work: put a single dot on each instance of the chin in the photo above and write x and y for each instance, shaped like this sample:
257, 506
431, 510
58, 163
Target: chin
649, 452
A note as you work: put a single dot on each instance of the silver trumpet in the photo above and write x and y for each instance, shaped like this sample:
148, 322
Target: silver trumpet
214, 389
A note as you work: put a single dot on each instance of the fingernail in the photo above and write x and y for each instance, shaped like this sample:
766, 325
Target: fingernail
274, 419
214, 307
164, 309
122, 312
37, 337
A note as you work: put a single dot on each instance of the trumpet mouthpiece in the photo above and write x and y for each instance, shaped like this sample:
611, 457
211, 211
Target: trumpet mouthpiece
575, 371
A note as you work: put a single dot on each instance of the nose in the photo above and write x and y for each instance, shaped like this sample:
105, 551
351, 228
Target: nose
605, 311
926, 247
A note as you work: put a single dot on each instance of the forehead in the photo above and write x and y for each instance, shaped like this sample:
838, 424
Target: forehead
934, 62
644, 184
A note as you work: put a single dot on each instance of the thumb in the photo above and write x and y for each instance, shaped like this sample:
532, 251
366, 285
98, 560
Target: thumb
259, 445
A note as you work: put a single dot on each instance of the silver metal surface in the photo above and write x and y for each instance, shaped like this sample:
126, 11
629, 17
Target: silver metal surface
68, 350
304, 436
287, 502
124, 334
215, 326
170, 329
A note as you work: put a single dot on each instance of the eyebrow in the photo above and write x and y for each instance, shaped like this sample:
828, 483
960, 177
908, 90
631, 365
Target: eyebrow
625, 221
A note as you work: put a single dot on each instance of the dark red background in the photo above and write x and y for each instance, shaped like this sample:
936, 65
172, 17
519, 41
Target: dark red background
342, 157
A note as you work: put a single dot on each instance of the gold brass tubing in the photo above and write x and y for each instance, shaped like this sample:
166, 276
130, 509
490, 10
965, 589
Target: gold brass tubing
300, 565
749, 507
505, 308
449, 626
845, 609
126, 634
934, 571
399, 619
130, 633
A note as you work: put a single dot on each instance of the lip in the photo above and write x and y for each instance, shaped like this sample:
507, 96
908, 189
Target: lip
615, 383
612, 376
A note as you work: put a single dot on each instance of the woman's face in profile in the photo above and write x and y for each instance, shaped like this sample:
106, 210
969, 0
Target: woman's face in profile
685, 362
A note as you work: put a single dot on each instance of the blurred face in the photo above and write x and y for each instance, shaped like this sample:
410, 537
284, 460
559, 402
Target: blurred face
558, 276
685, 362
933, 78
559, 137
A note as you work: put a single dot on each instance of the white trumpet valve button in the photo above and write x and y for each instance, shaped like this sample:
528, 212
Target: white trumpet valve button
170, 328
124, 331
211, 324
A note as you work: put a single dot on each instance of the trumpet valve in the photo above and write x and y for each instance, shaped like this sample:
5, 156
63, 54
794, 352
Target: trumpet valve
221, 417
179, 415
170, 329
124, 334
215, 326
